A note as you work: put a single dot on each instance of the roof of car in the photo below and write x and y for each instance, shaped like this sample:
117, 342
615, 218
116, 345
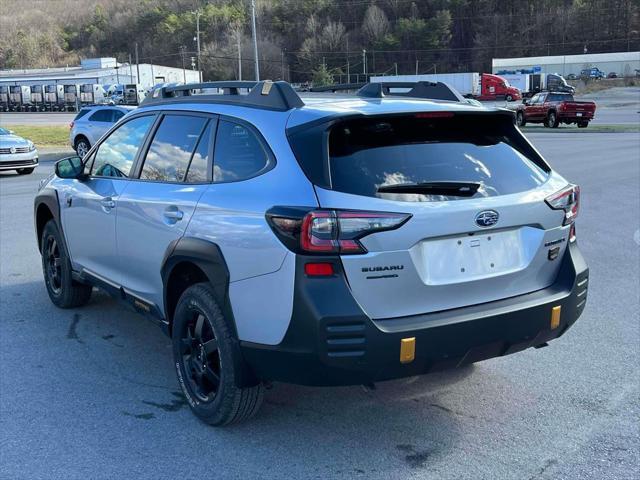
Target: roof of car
264, 102
316, 108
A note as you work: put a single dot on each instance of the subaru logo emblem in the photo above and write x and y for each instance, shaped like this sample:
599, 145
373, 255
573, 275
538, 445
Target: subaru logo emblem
487, 218
12, 150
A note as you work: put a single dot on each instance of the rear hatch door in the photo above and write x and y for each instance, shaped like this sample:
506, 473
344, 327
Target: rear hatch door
458, 248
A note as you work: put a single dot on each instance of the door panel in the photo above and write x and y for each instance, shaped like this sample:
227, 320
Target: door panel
150, 216
158, 206
89, 210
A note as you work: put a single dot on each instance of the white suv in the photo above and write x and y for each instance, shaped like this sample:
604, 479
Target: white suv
91, 123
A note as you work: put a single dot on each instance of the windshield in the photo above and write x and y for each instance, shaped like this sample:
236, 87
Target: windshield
4, 132
366, 154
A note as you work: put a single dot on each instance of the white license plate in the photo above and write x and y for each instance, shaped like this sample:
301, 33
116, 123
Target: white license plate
467, 258
578, 114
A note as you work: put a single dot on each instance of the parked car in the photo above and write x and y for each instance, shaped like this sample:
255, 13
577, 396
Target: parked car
275, 240
612, 75
554, 108
91, 123
592, 73
572, 76
17, 153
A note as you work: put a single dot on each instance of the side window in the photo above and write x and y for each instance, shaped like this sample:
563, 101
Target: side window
102, 115
116, 154
197, 172
534, 99
171, 149
238, 153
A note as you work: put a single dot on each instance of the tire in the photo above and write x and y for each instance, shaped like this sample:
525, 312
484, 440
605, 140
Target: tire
552, 120
82, 146
520, 121
583, 124
25, 171
63, 291
509, 98
208, 378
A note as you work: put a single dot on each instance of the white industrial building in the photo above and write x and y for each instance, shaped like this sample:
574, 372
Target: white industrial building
622, 63
104, 71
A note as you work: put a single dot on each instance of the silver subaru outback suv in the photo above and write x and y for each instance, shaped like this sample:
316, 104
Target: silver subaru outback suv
331, 241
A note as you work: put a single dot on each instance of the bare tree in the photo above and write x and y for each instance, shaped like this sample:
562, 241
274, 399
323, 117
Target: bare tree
376, 24
332, 35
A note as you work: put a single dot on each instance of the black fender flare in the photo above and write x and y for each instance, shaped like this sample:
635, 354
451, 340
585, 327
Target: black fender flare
47, 197
205, 255
208, 257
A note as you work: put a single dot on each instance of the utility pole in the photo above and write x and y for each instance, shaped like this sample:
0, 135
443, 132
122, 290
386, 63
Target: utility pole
117, 75
130, 69
348, 72
239, 57
197, 13
396, 65
282, 64
364, 64
416, 67
184, 70
255, 38
137, 65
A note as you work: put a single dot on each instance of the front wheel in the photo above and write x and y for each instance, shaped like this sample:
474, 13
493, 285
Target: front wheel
63, 291
206, 357
509, 98
552, 120
520, 121
24, 171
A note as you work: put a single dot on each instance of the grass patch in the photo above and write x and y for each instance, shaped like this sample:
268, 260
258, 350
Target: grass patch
43, 135
590, 129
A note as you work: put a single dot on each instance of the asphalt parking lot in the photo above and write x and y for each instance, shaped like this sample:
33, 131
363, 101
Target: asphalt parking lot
91, 392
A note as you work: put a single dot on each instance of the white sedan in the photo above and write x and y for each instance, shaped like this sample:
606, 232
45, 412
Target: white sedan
17, 153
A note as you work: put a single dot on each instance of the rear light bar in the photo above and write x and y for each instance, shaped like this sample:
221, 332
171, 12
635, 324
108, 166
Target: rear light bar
567, 199
330, 231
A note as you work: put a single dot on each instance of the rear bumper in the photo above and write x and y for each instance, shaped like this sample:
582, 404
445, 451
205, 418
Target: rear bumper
330, 340
573, 118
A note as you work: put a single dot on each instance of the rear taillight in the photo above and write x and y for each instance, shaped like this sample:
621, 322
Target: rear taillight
330, 231
567, 199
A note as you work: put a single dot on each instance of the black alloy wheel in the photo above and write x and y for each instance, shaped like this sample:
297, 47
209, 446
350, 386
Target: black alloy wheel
200, 356
53, 264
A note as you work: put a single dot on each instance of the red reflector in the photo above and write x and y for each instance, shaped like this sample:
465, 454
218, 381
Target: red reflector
434, 115
318, 269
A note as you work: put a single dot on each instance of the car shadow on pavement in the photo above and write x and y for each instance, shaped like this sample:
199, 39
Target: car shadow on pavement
104, 350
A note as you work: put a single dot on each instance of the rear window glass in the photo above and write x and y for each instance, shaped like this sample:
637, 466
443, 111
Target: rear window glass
365, 154
560, 97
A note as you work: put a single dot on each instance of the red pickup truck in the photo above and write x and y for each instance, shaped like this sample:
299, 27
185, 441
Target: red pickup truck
553, 108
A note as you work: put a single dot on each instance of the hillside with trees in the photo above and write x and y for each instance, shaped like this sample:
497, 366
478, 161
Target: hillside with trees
300, 40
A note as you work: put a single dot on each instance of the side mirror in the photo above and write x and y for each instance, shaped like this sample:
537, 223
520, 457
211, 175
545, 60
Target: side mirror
70, 167
525, 101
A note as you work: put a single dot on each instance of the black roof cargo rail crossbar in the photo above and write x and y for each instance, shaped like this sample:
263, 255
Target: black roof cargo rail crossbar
421, 89
265, 94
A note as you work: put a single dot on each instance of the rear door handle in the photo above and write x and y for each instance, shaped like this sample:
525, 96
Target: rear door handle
173, 213
107, 203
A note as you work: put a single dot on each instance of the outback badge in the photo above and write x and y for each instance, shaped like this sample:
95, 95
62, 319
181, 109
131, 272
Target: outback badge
487, 218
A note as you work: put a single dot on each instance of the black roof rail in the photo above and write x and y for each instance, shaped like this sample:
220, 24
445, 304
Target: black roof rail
338, 87
421, 89
265, 94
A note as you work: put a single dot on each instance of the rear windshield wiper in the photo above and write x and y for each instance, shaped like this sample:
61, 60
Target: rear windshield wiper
454, 189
